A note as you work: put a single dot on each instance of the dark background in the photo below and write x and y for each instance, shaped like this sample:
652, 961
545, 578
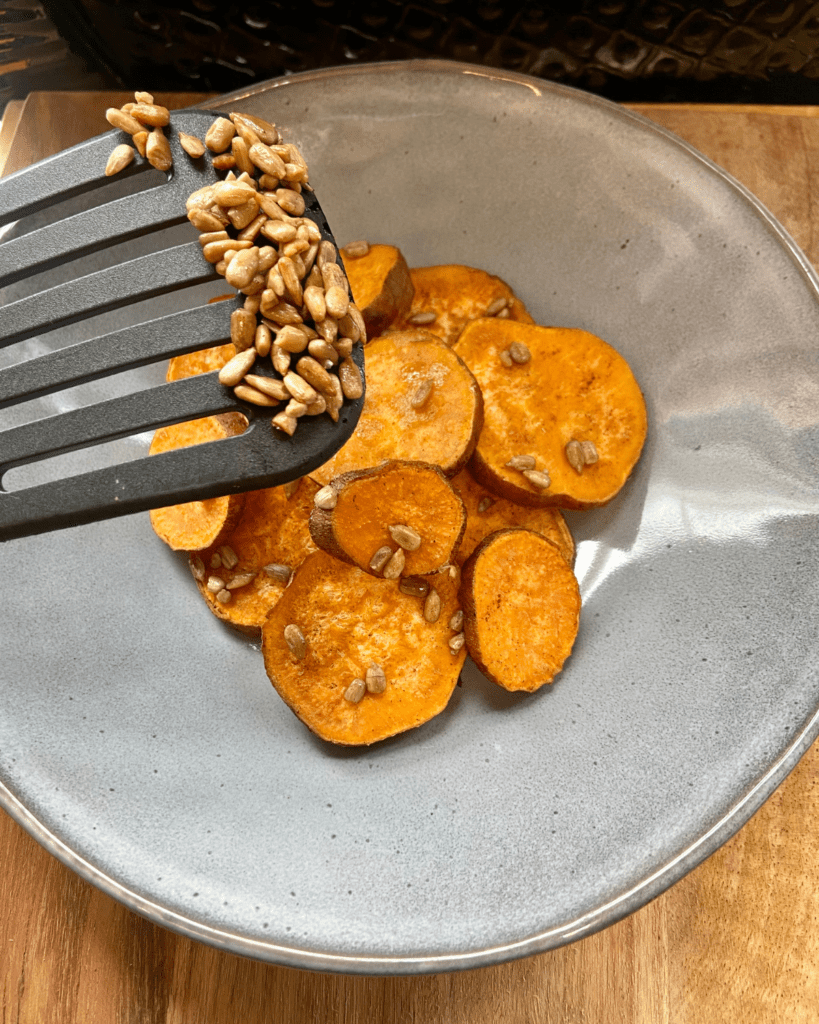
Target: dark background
732, 51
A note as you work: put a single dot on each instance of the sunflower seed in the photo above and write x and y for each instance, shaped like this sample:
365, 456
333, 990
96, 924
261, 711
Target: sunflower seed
223, 596
315, 303
521, 462
192, 145
119, 119
294, 638
419, 319
263, 339
140, 140
326, 498
119, 159
215, 584
414, 586
574, 456
457, 621
506, 358
229, 556
519, 352
314, 373
355, 691
375, 679
218, 136
356, 249
281, 360
337, 301
197, 567
456, 643
485, 503
246, 393
266, 131
287, 424
395, 566
589, 450
215, 560
405, 537
380, 558
240, 150
241, 216
241, 579
537, 479
495, 307
151, 114
291, 202
432, 606
350, 377
291, 339
278, 572
234, 371
233, 193
268, 386
158, 151
421, 396
503, 315
291, 279
291, 487
223, 161
143, 97
267, 160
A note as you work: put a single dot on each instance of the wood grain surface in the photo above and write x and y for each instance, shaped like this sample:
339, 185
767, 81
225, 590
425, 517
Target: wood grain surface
735, 941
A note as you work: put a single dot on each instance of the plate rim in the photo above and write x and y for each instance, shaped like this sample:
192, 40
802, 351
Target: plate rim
626, 903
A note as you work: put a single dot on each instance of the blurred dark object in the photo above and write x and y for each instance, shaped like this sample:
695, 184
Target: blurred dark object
726, 51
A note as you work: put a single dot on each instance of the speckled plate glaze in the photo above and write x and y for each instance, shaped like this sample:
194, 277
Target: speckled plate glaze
142, 744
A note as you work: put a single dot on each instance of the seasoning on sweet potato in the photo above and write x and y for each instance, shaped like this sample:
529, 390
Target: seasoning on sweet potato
446, 298
521, 608
487, 513
565, 420
422, 404
406, 513
245, 574
354, 657
196, 525
381, 285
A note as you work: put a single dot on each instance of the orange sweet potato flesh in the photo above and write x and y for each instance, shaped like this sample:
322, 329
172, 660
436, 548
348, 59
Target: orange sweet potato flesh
381, 285
487, 513
203, 361
442, 432
351, 620
574, 387
196, 525
457, 295
271, 529
521, 608
413, 494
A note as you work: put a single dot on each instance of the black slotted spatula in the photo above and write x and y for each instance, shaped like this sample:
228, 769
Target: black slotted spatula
259, 457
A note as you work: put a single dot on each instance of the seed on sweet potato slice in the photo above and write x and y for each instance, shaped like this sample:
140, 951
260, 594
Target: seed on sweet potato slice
381, 285
441, 430
446, 298
564, 385
521, 605
351, 622
196, 525
270, 534
487, 513
396, 504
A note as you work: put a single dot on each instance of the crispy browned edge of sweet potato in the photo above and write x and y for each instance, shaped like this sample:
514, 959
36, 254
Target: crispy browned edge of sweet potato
466, 593
390, 293
323, 521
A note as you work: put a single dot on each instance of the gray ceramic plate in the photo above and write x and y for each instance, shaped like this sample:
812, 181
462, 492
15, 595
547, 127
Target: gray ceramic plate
142, 744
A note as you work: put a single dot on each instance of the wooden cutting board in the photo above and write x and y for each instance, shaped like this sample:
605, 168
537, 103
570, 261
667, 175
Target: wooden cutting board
735, 941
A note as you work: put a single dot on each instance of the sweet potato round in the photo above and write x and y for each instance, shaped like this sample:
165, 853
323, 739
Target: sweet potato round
443, 431
574, 387
196, 525
487, 513
381, 286
203, 361
521, 608
413, 494
456, 295
351, 620
272, 529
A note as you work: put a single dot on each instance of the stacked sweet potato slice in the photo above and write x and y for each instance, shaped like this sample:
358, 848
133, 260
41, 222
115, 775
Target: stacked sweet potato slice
438, 525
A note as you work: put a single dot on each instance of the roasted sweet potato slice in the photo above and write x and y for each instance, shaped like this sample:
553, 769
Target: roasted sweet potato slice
250, 562
521, 607
332, 625
381, 285
458, 295
487, 513
422, 404
203, 361
196, 525
398, 506
561, 400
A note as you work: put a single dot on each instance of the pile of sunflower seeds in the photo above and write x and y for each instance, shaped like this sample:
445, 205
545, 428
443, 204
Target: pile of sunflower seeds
252, 227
